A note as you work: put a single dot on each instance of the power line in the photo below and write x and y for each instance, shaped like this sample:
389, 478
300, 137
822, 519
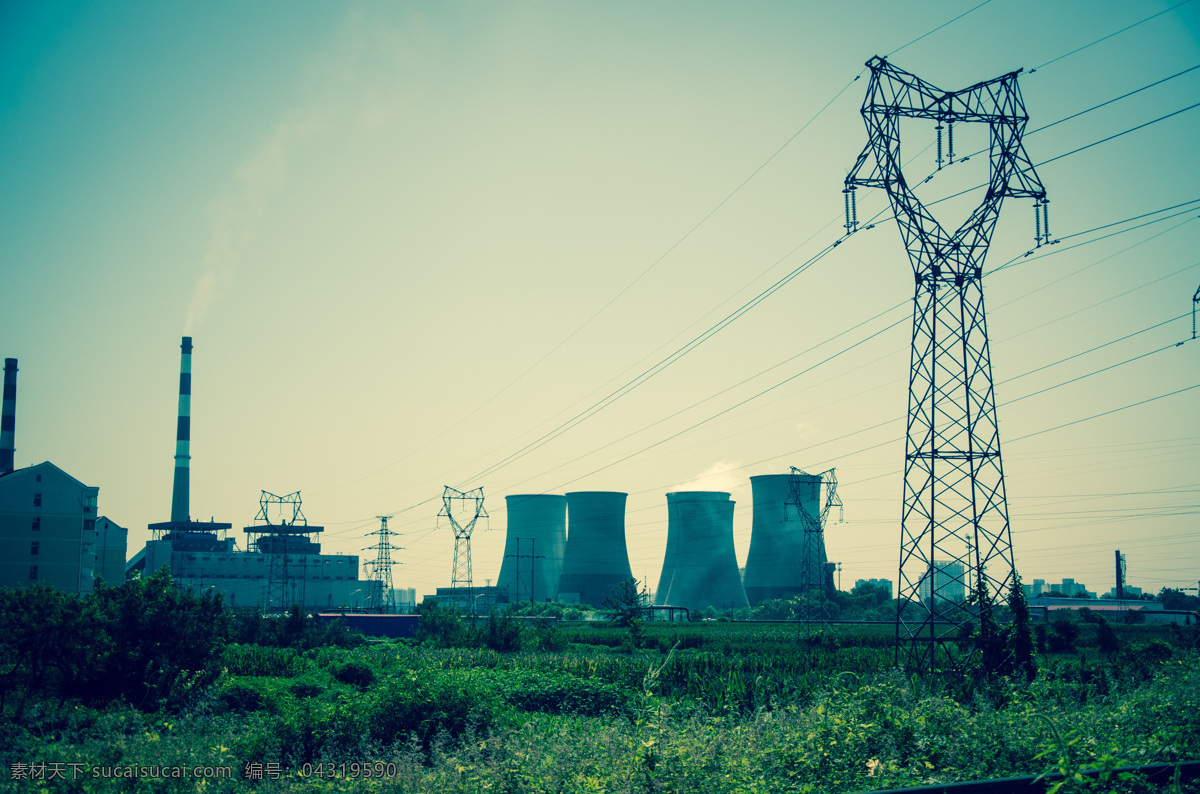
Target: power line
1109, 36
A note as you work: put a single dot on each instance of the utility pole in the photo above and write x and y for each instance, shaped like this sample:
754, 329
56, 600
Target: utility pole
813, 590
533, 557
953, 475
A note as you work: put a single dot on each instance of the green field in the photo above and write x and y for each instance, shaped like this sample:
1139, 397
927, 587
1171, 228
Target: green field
586, 707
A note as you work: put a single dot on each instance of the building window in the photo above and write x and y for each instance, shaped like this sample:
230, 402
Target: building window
37, 524
37, 500
32, 572
33, 548
39, 478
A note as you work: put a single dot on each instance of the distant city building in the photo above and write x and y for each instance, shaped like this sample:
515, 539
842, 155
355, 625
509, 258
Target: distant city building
48, 532
876, 583
1071, 589
1036, 589
947, 581
1130, 592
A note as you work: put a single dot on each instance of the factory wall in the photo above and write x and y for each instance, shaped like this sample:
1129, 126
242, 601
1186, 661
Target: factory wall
596, 559
48, 530
534, 545
330, 581
700, 566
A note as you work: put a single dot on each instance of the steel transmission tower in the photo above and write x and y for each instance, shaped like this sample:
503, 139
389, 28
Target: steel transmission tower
457, 506
289, 546
383, 597
814, 602
954, 536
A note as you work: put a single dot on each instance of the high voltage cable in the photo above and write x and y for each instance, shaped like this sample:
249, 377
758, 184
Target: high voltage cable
1105, 413
939, 27
1119, 134
1109, 36
703, 337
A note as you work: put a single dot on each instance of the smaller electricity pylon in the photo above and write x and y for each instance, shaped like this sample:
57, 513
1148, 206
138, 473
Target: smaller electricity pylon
383, 597
814, 570
456, 507
288, 545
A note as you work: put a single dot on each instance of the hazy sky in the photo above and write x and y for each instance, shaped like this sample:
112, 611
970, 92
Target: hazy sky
410, 239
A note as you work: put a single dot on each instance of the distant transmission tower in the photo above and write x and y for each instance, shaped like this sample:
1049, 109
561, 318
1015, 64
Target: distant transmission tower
953, 476
814, 602
454, 506
288, 545
383, 597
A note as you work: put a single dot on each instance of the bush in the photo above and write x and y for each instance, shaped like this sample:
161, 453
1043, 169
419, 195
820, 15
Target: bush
1063, 634
503, 634
354, 672
237, 696
425, 704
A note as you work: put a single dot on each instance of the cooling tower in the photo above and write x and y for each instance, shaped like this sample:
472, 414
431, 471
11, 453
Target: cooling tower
8, 420
700, 567
775, 565
533, 547
595, 561
180, 496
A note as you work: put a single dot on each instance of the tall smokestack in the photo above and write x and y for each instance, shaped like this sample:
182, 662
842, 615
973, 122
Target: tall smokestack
180, 510
8, 421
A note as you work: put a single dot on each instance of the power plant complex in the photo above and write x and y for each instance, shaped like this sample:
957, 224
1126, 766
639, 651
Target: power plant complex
569, 548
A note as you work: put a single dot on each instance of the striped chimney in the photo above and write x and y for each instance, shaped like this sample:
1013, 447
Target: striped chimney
8, 421
180, 508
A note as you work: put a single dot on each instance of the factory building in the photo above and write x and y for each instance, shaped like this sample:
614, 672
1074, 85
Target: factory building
534, 545
700, 566
49, 531
596, 559
283, 566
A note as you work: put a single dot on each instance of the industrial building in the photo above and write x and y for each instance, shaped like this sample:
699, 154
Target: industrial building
534, 545
596, 559
49, 530
700, 565
283, 565
786, 556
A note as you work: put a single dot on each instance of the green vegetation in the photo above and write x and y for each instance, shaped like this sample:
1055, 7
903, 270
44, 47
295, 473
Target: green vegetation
572, 706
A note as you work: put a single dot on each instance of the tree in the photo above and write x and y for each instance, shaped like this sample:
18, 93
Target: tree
166, 643
627, 603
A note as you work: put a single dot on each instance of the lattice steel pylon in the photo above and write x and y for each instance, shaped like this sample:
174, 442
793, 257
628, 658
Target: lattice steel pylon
383, 597
461, 572
953, 477
287, 544
814, 564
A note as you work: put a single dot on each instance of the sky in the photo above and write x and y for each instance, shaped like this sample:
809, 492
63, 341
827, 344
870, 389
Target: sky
427, 244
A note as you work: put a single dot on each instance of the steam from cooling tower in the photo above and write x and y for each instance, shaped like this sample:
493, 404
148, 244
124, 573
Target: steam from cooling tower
596, 560
8, 420
180, 491
533, 547
700, 567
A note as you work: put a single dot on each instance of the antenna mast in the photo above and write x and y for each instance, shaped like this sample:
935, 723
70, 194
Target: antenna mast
953, 476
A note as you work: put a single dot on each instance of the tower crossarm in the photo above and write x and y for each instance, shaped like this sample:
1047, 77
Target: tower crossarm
893, 94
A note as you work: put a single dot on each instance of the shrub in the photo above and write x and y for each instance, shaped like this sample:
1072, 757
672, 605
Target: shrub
354, 672
503, 634
425, 704
307, 688
237, 696
1063, 634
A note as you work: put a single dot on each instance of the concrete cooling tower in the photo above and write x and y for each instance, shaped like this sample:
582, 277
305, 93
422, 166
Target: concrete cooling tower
533, 547
775, 566
700, 567
596, 560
